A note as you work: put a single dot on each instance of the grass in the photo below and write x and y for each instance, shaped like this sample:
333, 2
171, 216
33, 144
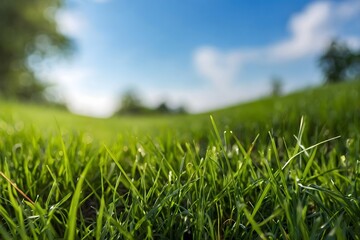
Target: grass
254, 171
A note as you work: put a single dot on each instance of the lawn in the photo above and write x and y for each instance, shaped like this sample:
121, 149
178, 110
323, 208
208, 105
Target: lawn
277, 168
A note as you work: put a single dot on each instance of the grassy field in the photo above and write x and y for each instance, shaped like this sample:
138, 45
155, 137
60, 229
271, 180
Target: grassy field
277, 168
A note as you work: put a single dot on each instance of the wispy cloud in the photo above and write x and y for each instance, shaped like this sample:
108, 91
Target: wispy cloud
310, 32
220, 68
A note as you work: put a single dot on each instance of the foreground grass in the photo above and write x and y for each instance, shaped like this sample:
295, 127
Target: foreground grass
296, 180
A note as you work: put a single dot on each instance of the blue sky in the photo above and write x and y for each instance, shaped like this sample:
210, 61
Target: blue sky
203, 54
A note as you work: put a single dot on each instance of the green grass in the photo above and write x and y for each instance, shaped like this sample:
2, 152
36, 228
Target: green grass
277, 168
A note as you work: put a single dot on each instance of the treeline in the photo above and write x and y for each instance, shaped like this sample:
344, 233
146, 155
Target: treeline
131, 104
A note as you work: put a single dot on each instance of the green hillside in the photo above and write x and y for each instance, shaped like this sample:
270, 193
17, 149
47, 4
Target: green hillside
254, 171
331, 110
334, 106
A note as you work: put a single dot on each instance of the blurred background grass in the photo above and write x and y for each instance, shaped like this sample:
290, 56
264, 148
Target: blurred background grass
329, 109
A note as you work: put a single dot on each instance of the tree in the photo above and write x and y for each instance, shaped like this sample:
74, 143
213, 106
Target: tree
28, 35
131, 104
339, 63
163, 108
181, 110
276, 86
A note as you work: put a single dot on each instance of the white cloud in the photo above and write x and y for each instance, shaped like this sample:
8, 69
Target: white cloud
220, 67
314, 28
310, 32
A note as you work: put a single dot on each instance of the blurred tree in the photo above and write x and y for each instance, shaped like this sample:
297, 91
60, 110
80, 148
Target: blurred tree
180, 110
131, 104
339, 63
29, 34
163, 108
276, 86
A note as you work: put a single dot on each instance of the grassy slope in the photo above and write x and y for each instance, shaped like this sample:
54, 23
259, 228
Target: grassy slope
326, 105
189, 178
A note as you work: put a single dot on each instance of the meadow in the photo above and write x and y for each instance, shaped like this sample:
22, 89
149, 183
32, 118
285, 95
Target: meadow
277, 168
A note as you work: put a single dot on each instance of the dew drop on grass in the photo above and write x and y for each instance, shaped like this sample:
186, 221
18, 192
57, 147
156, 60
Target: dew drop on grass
349, 142
343, 160
87, 139
19, 126
170, 176
213, 149
141, 150
235, 149
16, 147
